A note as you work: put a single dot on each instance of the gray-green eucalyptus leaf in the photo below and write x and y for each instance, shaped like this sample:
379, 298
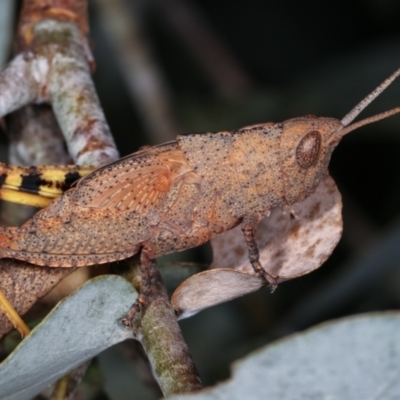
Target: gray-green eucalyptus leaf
354, 358
79, 328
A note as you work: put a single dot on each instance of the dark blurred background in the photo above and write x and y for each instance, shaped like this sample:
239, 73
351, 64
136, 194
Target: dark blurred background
193, 66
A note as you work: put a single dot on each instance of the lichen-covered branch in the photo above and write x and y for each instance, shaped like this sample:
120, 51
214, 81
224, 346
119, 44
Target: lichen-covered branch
53, 66
19, 82
73, 97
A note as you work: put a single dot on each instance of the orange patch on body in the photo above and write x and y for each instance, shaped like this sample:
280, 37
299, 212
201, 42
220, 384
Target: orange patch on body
163, 183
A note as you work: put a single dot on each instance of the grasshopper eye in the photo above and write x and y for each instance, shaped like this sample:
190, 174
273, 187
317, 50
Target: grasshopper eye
308, 149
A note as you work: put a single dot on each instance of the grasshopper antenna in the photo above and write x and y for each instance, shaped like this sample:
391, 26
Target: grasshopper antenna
348, 118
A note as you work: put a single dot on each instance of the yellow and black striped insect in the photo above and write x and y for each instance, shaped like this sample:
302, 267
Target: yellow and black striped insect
38, 186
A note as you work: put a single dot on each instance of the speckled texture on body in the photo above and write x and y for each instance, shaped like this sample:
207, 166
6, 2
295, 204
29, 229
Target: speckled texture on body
177, 195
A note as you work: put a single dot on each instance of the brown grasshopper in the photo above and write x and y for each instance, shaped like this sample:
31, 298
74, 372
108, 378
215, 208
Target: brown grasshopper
182, 193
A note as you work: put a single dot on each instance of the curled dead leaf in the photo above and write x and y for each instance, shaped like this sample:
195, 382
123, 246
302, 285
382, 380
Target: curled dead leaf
212, 287
289, 248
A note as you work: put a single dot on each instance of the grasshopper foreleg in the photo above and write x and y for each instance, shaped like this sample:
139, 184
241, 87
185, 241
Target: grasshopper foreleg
249, 228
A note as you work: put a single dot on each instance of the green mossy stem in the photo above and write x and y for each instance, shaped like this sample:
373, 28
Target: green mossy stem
162, 339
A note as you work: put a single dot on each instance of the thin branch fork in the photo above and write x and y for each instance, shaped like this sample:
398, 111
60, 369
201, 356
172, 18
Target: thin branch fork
55, 68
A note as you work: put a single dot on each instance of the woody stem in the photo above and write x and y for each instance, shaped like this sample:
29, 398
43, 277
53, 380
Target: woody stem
160, 335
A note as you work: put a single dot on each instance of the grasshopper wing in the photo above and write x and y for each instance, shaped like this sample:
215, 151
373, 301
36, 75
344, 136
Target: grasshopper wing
139, 182
103, 218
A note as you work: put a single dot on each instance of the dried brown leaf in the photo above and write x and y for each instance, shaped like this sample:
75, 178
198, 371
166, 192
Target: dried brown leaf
289, 248
212, 287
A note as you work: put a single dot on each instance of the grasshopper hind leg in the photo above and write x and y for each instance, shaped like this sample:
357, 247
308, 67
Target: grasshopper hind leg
249, 228
148, 287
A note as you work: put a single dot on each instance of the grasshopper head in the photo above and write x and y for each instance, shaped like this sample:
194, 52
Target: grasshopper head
306, 146
307, 143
